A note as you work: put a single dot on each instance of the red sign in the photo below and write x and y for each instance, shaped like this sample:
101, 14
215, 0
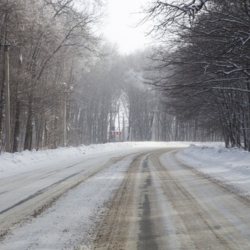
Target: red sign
115, 132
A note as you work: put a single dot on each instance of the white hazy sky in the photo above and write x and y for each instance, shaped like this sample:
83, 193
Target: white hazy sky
123, 15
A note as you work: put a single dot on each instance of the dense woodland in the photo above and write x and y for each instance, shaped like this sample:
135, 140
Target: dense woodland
202, 65
63, 84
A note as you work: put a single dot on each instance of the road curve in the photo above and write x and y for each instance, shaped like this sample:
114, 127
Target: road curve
163, 204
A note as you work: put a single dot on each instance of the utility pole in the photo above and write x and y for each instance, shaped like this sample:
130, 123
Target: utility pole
7, 99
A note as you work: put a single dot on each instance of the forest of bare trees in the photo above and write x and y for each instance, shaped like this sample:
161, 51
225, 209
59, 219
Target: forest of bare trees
41, 44
203, 74
63, 84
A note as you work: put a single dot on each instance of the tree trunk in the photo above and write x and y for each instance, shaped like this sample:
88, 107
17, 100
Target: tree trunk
17, 126
29, 126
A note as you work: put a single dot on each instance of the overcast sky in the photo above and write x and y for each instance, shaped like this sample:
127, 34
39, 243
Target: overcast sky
122, 19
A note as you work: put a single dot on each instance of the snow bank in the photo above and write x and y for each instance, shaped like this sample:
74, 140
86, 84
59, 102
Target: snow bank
27, 160
218, 154
230, 166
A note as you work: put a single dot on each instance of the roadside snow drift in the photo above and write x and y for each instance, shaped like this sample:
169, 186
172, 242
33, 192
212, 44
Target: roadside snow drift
12, 164
230, 166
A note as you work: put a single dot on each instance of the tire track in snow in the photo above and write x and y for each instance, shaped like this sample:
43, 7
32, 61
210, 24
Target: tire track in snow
39, 201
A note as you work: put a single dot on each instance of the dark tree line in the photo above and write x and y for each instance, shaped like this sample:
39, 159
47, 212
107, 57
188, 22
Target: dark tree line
205, 77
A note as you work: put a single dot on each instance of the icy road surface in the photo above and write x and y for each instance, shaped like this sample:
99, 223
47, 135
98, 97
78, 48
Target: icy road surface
134, 198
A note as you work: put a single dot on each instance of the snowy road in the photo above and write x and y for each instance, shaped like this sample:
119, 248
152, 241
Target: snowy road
134, 199
29, 194
162, 204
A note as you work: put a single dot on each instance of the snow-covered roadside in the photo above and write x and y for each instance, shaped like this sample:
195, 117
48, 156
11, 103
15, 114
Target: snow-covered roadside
14, 164
229, 166
71, 219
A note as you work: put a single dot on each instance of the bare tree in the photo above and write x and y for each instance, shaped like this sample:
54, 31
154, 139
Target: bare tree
43, 36
206, 76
